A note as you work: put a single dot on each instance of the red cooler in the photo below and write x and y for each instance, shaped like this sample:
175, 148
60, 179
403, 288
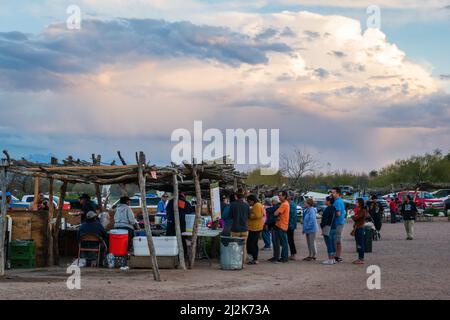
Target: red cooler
118, 242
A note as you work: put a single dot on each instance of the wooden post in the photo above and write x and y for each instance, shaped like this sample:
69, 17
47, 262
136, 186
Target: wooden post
198, 215
148, 231
62, 196
123, 187
3, 221
50, 257
177, 222
96, 161
36, 193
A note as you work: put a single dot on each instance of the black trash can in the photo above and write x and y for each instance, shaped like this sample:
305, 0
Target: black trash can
368, 236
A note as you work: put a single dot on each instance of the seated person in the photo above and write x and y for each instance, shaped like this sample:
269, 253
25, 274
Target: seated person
124, 219
92, 226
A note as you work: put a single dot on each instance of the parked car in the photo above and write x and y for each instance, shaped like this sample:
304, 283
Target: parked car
441, 194
16, 203
320, 205
347, 190
422, 199
151, 199
30, 198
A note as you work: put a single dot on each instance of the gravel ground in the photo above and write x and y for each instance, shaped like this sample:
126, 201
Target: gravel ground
417, 269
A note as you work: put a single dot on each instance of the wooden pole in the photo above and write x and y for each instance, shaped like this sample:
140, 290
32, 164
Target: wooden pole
3, 221
58, 220
96, 160
148, 231
36, 193
177, 222
198, 216
50, 257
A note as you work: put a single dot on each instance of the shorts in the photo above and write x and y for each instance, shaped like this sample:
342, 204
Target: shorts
339, 229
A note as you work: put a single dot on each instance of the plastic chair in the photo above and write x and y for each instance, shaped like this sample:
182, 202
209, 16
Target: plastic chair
92, 238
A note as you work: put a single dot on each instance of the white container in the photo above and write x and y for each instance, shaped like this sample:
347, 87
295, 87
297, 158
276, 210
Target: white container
164, 246
190, 219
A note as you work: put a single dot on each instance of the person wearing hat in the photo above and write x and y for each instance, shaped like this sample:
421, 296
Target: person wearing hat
91, 225
86, 206
125, 219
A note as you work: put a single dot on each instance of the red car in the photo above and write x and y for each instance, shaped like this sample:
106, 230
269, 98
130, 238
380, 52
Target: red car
422, 199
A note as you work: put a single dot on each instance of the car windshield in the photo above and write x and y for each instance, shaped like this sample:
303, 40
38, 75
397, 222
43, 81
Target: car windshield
427, 195
134, 202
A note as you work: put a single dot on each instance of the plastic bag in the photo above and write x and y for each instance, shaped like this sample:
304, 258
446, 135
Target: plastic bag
81, 264
110, 260
104, 219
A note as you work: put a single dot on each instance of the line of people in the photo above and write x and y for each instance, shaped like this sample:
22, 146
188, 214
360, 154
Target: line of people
276, 221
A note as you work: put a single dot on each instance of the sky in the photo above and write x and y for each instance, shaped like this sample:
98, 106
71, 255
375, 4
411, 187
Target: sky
355, 97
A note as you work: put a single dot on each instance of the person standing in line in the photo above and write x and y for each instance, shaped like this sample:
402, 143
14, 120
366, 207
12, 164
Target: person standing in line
225, 206
358, 230
310, 228
266, 233
280, 231
409, 213
340, 220
271, 220
328, 226
239, 214
292, 227
255, 226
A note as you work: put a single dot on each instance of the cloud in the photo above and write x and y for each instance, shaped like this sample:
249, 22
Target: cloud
127, 83
58, 51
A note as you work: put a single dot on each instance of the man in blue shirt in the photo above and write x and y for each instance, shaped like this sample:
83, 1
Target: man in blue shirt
162, 204
340, 220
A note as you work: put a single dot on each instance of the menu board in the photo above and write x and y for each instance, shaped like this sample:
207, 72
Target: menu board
215, 201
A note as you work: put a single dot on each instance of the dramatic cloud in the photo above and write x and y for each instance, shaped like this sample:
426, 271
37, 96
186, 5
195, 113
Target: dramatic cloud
127, 83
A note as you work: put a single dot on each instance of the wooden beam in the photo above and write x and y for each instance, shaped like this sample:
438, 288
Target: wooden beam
36, 193
62, 196
148, 230
198, 216
50, 257
177, 222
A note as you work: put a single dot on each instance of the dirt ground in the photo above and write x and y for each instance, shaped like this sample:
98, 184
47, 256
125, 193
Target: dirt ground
417, 269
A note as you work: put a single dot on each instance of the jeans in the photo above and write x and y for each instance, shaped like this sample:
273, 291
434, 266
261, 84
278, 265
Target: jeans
330, 242
290, 237
360, 242
280, 240
252, 244
267, 238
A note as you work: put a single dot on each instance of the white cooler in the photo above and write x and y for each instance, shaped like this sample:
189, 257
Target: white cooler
164, 246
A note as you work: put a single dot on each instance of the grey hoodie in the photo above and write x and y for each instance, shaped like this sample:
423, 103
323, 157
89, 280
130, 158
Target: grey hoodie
124, 217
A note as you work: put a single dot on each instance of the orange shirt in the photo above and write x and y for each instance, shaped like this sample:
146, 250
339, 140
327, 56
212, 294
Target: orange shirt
283, 216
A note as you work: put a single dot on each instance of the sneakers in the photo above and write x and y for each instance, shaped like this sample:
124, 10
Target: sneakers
329, 262
292, 258
282, 260
358, 261
273, 260
338, 259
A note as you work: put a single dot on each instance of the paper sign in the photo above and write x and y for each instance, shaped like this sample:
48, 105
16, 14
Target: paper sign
215, 201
